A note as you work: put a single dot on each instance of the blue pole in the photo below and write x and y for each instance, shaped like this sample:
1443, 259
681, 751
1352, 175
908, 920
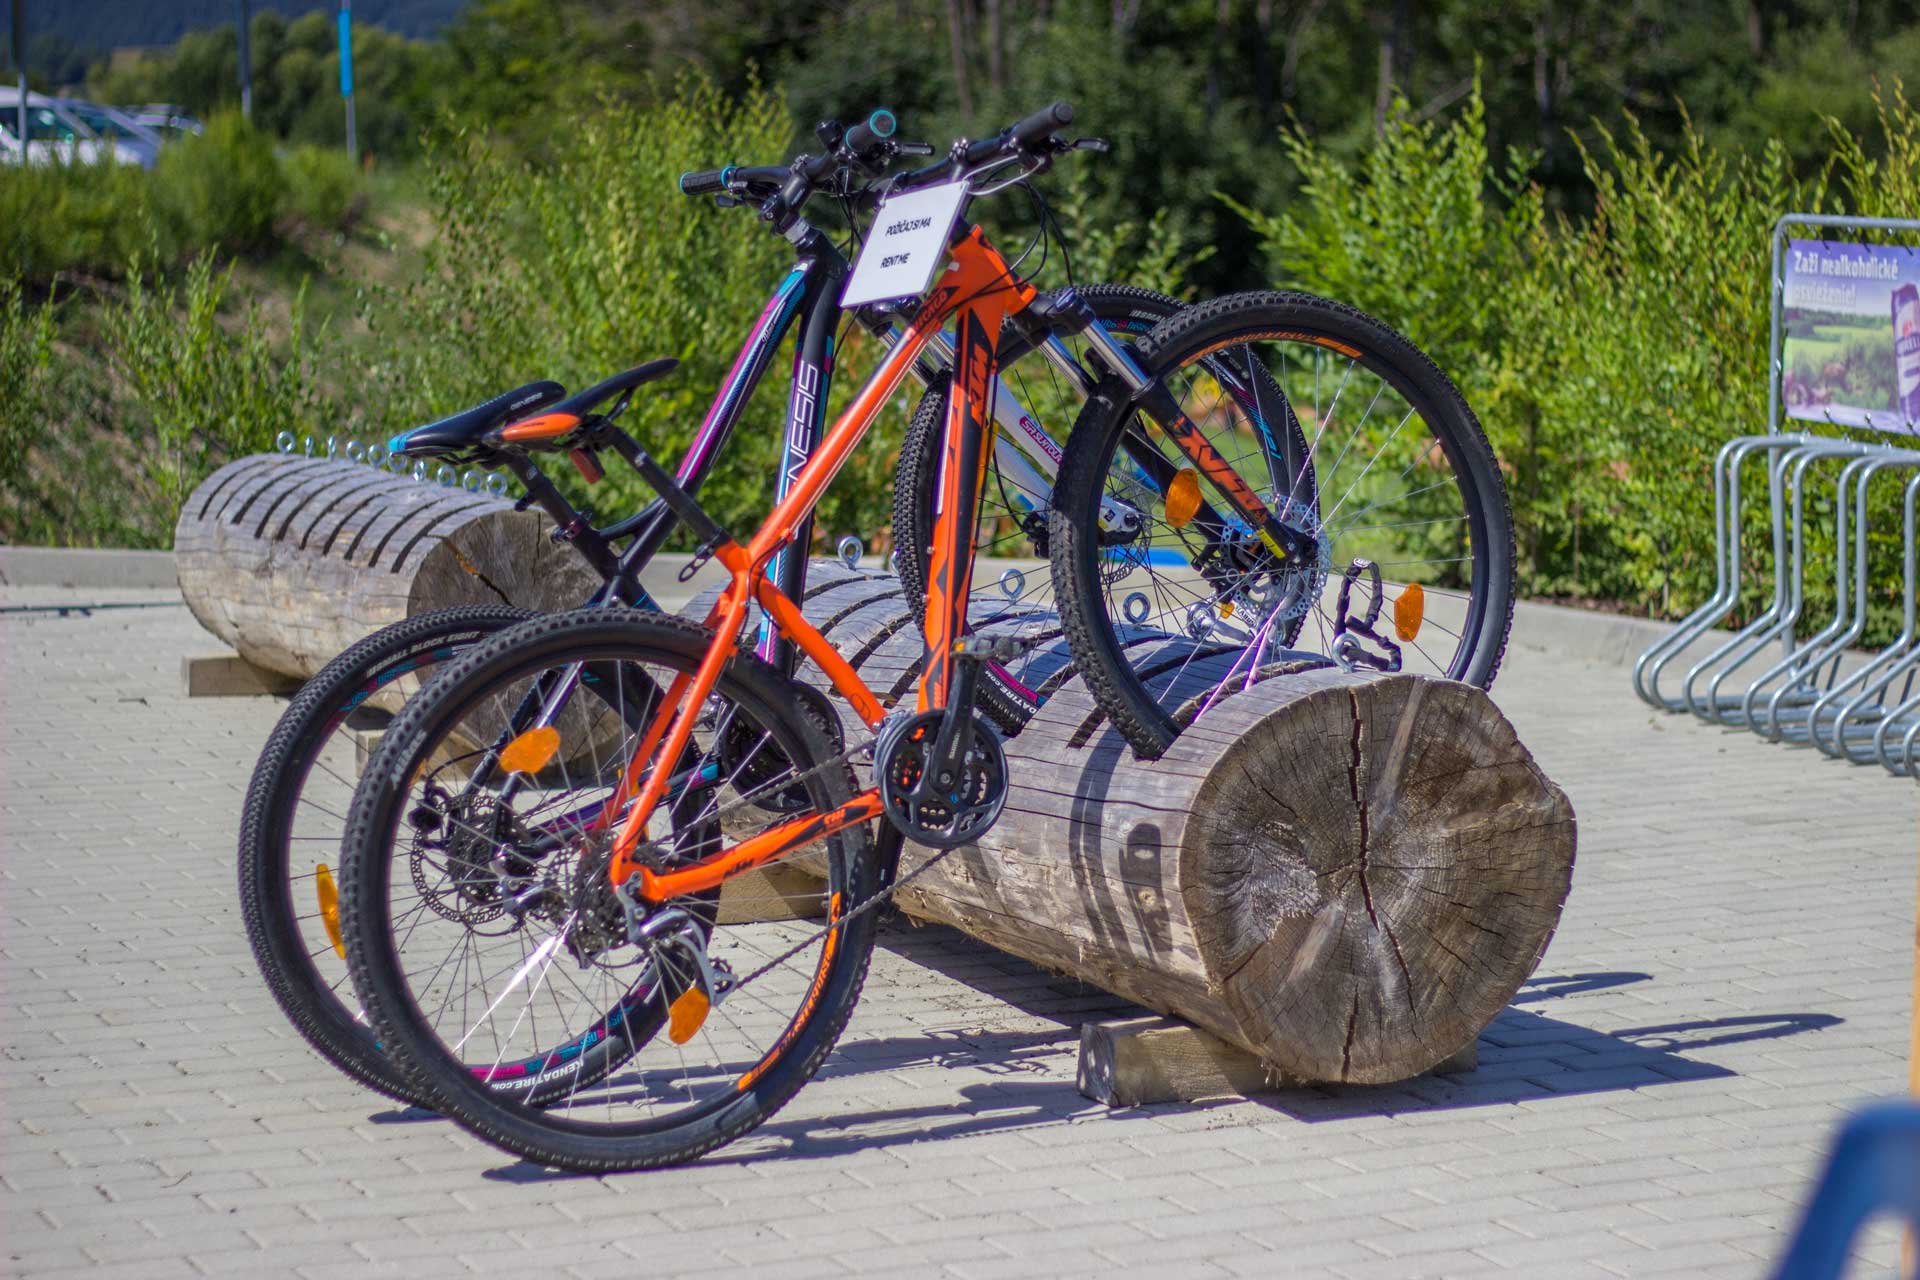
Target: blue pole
346, 70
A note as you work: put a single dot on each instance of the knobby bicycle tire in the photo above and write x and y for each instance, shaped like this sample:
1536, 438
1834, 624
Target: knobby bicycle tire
549, 1137
1076, 550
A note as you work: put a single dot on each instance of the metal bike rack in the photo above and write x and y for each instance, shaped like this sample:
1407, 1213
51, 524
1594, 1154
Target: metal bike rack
1828, 649
1816, 688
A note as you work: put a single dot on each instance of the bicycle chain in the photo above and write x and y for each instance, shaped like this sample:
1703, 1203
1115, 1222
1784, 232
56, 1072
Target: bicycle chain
884, 895
879, 898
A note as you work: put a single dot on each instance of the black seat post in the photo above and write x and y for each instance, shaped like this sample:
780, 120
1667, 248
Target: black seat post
570, 524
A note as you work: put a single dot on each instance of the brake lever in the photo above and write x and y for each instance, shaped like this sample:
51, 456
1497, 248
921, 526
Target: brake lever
913, 148
1100, 145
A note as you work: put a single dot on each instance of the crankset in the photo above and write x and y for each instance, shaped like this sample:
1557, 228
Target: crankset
942, 776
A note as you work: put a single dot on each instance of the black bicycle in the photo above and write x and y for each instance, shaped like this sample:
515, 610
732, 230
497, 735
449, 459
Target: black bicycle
294, 813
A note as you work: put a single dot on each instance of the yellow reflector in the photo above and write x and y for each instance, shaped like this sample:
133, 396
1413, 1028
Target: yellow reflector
329, 896
1183, 497
687, 1014
1226, 610
530, 752
1408, 611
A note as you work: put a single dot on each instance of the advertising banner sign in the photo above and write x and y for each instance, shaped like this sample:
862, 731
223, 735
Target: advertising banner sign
1851, 319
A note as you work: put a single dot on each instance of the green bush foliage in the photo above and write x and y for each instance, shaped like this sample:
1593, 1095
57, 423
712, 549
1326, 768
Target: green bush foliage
591, 262
86, 219
222, 189
209, 392
324, 191
1608, 358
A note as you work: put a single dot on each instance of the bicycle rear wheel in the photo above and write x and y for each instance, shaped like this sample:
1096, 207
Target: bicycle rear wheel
1013, 589
559, 961
295, 815
1167, 617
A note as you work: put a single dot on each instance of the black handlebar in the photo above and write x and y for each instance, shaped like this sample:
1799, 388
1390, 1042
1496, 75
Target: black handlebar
868, 146
1042, 124
865, 139
1021, 135
735, 177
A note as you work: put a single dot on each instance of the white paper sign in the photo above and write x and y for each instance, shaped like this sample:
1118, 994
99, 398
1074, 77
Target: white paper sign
906, 245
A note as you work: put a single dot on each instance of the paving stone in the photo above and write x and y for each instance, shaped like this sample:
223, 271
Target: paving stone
1655, 1100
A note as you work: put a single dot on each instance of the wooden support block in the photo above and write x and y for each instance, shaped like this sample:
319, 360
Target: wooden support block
226, 675
1137, 1061
773, 892
365, 743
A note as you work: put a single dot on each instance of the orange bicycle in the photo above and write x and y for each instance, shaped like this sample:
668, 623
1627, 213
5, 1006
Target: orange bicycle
566, 801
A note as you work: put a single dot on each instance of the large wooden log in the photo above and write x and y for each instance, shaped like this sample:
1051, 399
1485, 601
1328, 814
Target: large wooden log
1347, 874
289, 560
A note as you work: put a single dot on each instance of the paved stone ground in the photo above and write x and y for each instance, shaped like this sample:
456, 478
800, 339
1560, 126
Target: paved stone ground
1731, 977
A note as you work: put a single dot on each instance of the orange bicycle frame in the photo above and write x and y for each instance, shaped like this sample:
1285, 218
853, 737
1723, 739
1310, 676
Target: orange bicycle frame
977, 291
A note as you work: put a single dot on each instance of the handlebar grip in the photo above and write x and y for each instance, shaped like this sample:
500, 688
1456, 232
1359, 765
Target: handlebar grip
703, 182
1042, 124
869, 133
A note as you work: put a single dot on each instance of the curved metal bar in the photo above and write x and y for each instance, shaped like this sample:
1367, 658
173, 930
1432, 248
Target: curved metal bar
1785, 612
1804, 663
1787, 566
1898, 715
1890, 663
1726, 593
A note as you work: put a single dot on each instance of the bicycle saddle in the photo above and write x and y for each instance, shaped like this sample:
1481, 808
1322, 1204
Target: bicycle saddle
463, 430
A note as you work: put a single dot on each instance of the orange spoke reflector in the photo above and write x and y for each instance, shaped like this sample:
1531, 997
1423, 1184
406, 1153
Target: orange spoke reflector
329, 895
530, 752
1183, 497
1408, 611
687, 1014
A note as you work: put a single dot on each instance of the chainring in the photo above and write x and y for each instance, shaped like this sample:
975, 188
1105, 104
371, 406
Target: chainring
931, 811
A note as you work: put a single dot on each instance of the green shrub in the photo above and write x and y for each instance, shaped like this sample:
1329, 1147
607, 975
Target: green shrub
221, 189
27, 375
585, 264
324, 189
71, 218
1610, 358
208, 394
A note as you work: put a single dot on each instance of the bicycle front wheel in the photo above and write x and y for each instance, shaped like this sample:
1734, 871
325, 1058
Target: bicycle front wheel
1181, 604
486, 941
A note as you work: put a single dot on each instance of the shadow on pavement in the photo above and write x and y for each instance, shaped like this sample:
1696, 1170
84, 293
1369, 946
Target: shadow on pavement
1524, 1056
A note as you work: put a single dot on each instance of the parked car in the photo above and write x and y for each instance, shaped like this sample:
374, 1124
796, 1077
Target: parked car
115, 124
165, 119
54, 134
